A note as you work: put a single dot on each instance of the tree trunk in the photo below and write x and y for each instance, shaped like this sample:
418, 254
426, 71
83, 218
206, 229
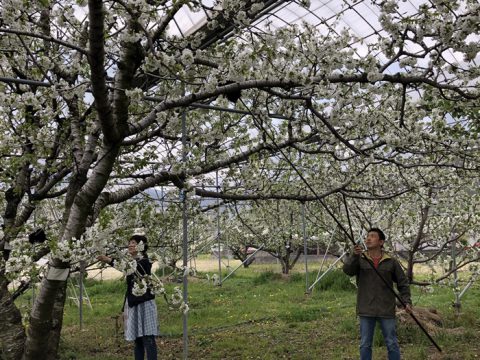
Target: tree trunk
424, 212
284, 262
410, 264
12, 333
295, 259
42, 318
57, 321
286, 259
241, 254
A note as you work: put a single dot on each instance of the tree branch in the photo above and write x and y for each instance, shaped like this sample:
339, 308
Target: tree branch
98, 74
46, 38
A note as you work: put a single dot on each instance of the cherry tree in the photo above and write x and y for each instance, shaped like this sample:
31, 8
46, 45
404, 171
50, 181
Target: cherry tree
276, 228
100, 101
425, 225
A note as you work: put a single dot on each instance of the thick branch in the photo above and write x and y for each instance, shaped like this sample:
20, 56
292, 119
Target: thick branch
98, 71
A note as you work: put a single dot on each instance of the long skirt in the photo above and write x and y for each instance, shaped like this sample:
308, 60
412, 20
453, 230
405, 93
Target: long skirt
140, 320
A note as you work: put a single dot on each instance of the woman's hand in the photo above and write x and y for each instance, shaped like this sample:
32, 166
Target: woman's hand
104, 258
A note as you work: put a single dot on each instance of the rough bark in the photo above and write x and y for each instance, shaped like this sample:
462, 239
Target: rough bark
12, 333
57, 321
42, 317
285, 267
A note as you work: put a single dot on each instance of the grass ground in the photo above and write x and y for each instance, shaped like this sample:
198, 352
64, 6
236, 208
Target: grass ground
260, 314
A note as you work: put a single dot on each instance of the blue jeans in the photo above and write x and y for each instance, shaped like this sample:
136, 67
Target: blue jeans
367, 328
145, 344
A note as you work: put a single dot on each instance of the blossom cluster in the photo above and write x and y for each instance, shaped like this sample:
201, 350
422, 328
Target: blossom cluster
20, 263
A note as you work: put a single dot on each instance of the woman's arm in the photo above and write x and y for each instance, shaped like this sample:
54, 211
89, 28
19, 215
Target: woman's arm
105, 259
144, 266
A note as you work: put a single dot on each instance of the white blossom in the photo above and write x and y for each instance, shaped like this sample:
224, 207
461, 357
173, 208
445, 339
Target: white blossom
187, 57
134, 94
139, 287
184, 307
374, 76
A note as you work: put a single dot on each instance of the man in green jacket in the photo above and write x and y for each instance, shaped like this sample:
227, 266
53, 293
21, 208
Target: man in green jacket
375, 302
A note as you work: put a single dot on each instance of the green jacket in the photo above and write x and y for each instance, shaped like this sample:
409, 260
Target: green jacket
373, 296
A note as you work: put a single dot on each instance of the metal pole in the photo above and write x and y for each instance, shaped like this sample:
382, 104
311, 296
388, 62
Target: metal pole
472, 280
305, 249
218, 233
228, 252
191, 258
243, 262
327, 271
80, 295
326, 252
183, 198
457, 303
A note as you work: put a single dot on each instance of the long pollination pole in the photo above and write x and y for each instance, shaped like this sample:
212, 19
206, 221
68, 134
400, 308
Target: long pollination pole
349, 236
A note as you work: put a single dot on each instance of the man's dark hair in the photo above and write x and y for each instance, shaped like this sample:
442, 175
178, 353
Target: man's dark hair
143, 239
380, 233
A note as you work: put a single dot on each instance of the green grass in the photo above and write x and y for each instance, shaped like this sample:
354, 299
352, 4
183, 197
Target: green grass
260, 314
